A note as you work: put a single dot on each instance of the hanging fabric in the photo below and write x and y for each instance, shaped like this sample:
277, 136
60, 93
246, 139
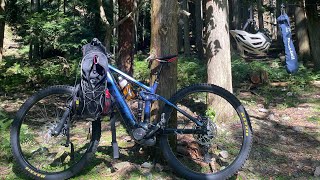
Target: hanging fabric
292, 65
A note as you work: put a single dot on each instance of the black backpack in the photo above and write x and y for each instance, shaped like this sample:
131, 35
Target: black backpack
93, 94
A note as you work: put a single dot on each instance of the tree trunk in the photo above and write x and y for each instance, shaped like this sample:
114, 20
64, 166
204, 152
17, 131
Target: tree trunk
180, 36
234, 21
302, 32
2, 27
34, 42
186, 29
244, 12
31, 40
64, 6
235, 15
278, 13
36, 47
126, 37
260, 14
218, 49
115, 17
164, 26
199, 28
143, 28
136, 25
313, 27
103, 17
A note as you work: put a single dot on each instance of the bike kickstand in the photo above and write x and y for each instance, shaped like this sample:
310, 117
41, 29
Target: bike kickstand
114, 143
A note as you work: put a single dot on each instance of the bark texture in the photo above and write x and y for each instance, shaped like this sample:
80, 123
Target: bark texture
313, 27
2, 26
260, 14
302, 32
186, 29
126, 37
164, 26
103, 17
218, 44
218, 52
199, 28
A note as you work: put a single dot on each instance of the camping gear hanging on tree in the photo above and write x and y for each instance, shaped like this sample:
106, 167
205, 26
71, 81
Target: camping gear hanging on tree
283, 21
250, 38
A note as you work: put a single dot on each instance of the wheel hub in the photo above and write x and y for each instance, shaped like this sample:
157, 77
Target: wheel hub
210, 127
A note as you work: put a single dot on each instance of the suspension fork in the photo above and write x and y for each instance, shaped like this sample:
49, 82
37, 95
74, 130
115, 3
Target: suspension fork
66, 114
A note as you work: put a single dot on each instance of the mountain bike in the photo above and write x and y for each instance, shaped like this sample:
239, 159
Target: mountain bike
203, 130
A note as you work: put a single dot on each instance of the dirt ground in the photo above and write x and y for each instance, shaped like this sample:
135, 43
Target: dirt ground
286, 139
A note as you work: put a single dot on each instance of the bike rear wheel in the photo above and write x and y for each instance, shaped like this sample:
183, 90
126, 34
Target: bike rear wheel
221, 152
42, 156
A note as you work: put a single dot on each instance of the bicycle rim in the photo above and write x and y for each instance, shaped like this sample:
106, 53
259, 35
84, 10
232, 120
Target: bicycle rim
219, 153
47, 153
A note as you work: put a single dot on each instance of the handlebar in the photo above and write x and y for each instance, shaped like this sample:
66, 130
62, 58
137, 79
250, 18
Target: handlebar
95, 42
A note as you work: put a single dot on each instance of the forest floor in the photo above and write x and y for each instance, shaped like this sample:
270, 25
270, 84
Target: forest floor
286, 143
286, 139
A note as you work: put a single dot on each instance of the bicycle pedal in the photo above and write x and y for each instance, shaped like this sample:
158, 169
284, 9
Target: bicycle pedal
115, 148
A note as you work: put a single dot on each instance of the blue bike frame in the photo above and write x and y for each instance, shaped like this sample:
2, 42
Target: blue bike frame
148, 93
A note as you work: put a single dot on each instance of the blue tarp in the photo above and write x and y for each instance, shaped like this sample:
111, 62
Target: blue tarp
292, 65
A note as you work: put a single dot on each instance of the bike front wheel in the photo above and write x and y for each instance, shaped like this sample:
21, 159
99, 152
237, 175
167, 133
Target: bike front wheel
217, 154
43, 156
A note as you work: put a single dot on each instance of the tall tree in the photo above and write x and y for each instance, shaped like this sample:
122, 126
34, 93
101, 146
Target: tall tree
234, 20
126, 37
260, 13
218, 43
199, 27
34, 51
278, 13
2, 26
302, 32
218, 48
313, 27
235, 15
186, 29
115, 17
108, 34
164, 26
244, 11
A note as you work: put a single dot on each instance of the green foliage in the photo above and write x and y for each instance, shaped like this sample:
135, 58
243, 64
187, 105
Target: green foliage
5, 150
210, 112
314, 119
21, 75
141, 70
287, 96
190, 71
240, 71
55, 27
276, 72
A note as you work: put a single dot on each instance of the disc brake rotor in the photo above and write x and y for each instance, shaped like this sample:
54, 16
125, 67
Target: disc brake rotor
208, 138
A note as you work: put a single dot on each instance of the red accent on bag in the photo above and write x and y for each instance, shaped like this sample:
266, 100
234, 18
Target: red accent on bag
107, 103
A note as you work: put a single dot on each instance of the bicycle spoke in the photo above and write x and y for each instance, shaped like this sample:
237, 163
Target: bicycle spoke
46, 151
221, 141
